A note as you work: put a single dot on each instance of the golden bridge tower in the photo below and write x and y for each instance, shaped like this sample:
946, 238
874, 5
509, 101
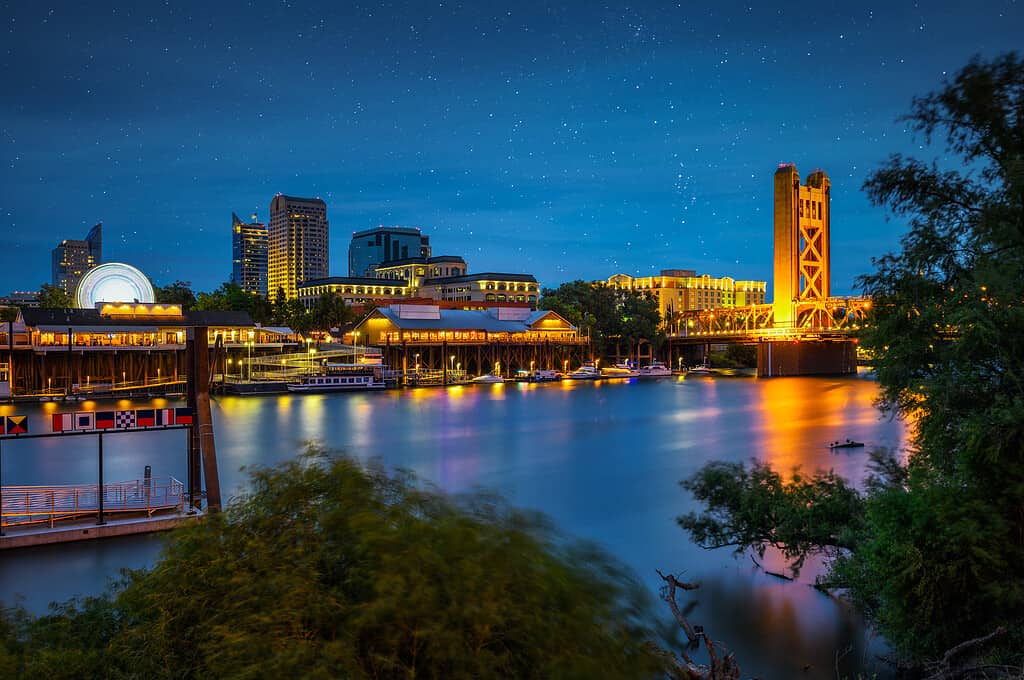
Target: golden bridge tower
802, 216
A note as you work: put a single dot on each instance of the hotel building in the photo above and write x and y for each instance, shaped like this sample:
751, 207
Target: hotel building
71, 259
249, 255
298, 243
682, 290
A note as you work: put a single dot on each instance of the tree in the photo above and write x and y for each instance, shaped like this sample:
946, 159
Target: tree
331, 311
177, 293
328, 569
608, 315
54, 297
932, 549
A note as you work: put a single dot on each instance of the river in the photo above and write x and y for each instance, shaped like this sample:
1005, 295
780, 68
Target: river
603, 459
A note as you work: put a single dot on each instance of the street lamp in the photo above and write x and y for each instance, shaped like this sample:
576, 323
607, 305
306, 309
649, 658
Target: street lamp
355, 338
417, 363
312, 351
451, 361
249, 363
229, 367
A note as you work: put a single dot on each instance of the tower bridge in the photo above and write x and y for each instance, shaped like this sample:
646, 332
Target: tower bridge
805, 329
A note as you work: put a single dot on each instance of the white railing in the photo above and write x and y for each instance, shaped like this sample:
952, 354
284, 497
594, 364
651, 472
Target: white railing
50, 504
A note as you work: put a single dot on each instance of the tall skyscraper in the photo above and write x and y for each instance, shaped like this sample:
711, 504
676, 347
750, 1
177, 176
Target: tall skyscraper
298, 243
72, 258
802, 222
384, 244
249, 255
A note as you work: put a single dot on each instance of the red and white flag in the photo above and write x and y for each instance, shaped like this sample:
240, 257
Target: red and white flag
63, 422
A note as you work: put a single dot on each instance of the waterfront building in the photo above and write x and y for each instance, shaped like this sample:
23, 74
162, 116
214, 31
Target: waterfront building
683, 290
72, 258
249, 244
354, 290
802, 220
411, 324
298, 243
116, 346
373, 247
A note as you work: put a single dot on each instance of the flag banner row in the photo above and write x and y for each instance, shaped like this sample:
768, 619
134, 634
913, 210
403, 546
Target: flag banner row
13, 424
132, 419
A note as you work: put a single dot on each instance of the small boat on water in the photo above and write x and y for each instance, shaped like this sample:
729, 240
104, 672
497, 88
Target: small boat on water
588, 371
539, 375
848, 444
487, 379
703, 369
655, 369
619, 370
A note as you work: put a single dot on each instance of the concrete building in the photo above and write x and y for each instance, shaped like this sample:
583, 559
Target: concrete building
416, 270
486, 287
354, 290
802, 217
249, 245
683, 290
298, 247
72, 258
374, 247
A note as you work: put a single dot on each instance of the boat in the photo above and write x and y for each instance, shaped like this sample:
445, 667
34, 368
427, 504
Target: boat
619, 370
540, 375
655, 369
848, 444
487, 379
703, 369
588, 371
342, 378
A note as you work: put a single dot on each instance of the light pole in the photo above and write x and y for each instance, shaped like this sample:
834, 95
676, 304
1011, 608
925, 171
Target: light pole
229, 367
417, 362
251, 342
312, 351
451, 361
355, 338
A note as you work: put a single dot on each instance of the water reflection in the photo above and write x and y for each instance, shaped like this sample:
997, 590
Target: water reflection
602, 459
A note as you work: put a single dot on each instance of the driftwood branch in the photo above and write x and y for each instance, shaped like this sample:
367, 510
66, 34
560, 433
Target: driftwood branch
770, 573
948, 668
719, 668
670, 598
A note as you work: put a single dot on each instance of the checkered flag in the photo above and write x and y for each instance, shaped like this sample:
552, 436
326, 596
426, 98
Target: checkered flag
124, 420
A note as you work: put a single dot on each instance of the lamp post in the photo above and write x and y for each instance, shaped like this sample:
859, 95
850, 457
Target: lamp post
230, 361
451, 361
249, 362
312, 351
417, 362
355, 338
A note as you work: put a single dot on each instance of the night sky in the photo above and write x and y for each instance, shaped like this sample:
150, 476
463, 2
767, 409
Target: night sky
567, 140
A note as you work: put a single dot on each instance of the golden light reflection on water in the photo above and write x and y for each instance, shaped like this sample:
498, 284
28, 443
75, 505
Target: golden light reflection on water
796, 431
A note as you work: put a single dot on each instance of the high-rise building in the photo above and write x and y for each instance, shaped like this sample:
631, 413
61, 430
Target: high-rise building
249, 255
298, 243
72, 258
802, 222
378, 246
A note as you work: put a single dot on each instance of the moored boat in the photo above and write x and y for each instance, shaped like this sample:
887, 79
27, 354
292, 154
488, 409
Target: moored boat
620, 370
655, 369
487, 378
342, 378
588, 371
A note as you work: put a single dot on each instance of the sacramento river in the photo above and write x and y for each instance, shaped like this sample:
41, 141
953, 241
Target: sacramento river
602, 459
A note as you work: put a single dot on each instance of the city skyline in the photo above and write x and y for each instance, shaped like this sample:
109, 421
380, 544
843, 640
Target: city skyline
568, 143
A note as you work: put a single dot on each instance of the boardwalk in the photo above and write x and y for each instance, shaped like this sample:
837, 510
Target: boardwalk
48, 505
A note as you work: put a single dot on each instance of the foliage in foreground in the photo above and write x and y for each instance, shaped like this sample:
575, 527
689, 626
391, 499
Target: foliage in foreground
931, 550
327, 569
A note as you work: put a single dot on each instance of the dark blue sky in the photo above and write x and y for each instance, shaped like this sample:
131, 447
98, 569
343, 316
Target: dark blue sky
568, 140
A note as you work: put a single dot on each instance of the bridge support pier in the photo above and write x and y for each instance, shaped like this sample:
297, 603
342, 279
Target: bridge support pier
803, 357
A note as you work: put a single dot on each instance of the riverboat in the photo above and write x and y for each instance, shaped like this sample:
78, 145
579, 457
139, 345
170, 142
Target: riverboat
655, 369
342, 378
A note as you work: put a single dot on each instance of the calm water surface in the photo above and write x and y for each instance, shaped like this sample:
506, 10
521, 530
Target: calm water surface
602, 459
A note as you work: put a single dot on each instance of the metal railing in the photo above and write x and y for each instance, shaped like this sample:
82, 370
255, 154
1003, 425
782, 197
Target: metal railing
49, 504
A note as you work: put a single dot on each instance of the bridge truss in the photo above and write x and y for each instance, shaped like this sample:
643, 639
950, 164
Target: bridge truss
831, 317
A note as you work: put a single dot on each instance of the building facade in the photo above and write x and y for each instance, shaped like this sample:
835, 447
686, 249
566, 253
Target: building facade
374, 247
354, 290
486, 287
297, 243
72, 258
683, 290
416, 270
802, 220
249, 246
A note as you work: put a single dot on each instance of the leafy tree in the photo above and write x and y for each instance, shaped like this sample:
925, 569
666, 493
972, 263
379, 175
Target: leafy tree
933, 553
54, 297
331, 311
609, 316
327, 569
177, 293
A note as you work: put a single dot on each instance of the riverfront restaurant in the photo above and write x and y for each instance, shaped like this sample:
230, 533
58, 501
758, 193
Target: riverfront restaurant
399, 324
128, 326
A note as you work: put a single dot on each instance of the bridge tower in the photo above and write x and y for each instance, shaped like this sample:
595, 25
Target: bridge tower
802, 215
